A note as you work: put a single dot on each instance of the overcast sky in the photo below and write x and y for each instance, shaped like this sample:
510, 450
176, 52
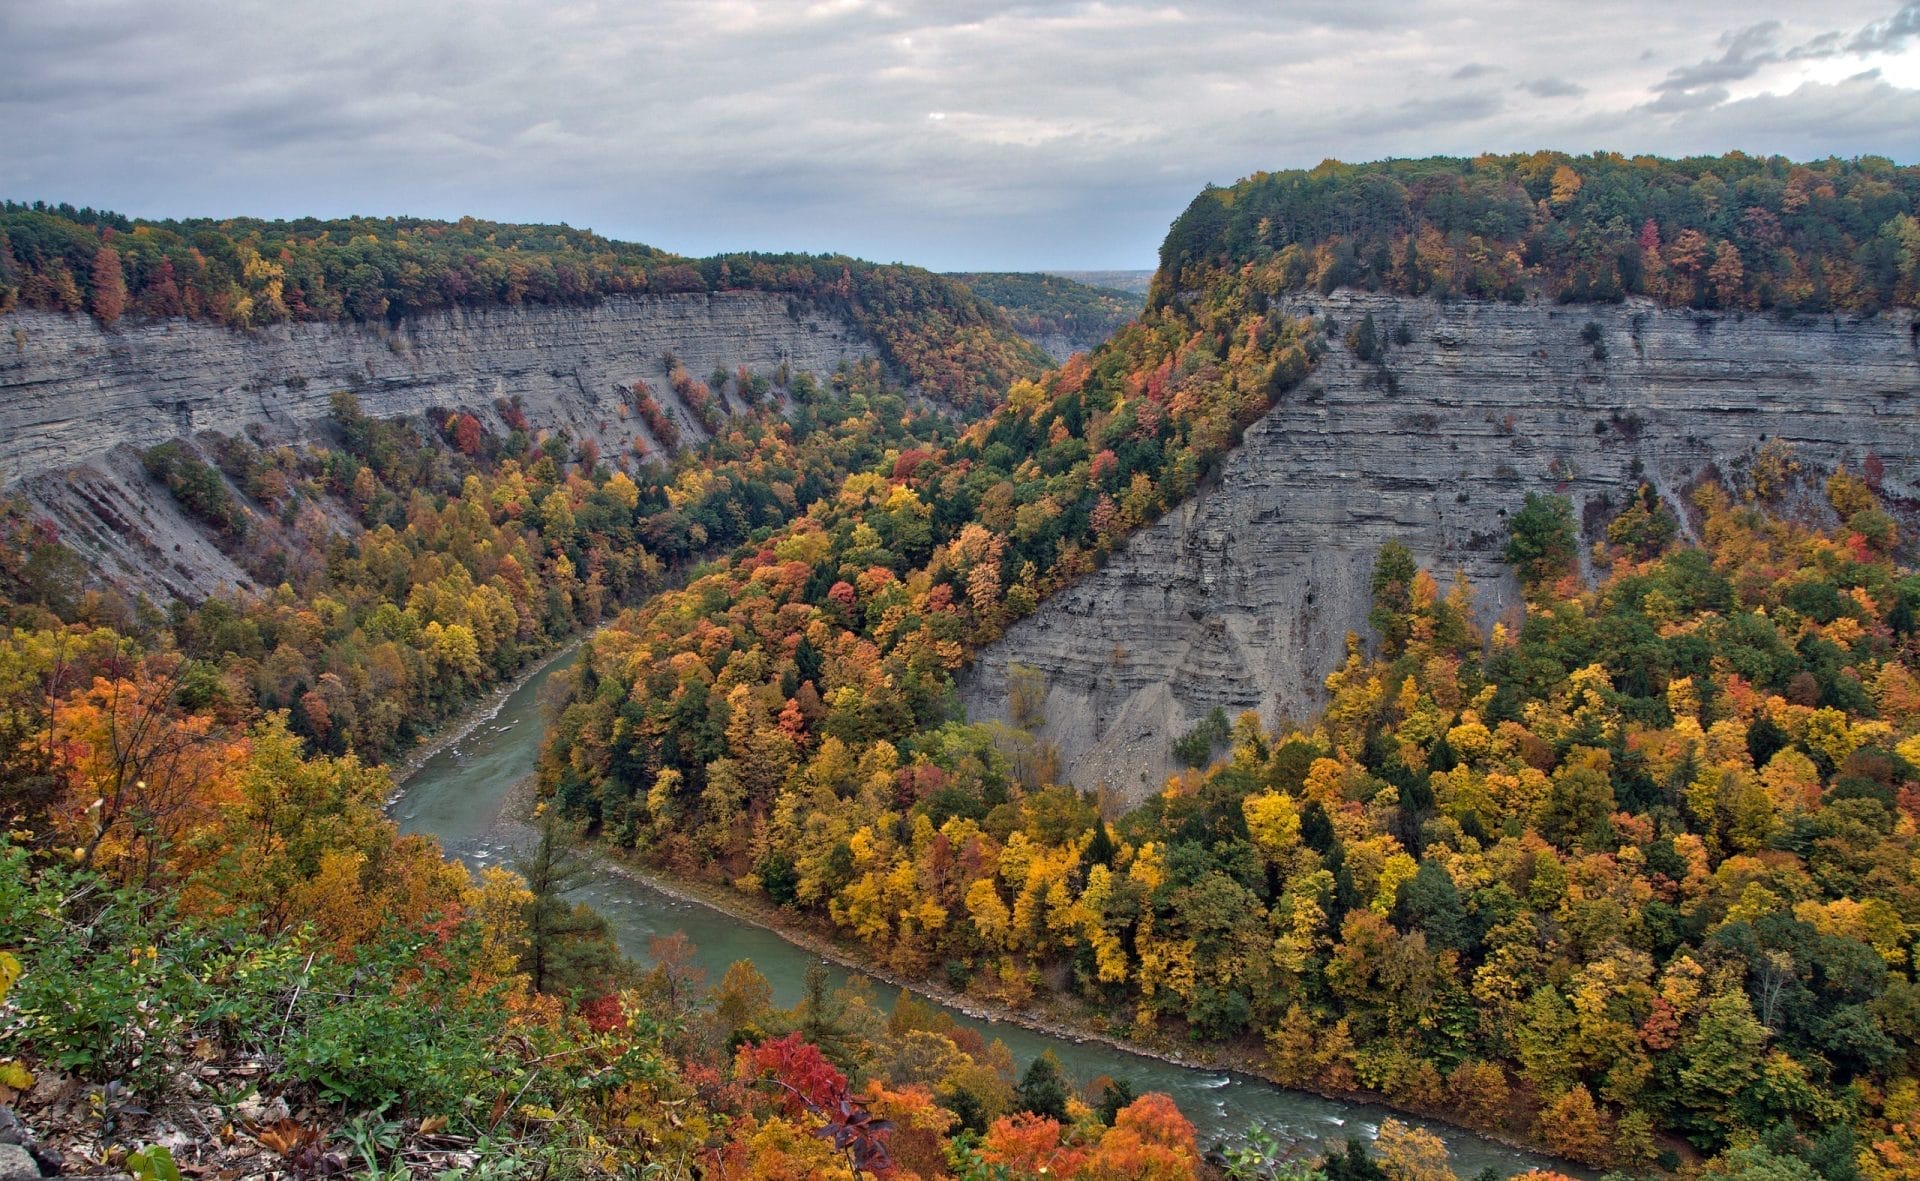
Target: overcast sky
948, 133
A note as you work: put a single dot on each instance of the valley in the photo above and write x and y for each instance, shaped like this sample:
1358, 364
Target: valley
464, 796
1452, 645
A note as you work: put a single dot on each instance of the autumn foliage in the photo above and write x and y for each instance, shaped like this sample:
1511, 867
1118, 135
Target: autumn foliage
1624, 868
1733, 232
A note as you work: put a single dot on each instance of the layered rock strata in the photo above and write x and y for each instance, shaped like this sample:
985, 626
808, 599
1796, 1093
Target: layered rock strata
1243, 596
78, 402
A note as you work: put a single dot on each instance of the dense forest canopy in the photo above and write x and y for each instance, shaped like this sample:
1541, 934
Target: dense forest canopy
1731, 231
1639, 869
246, 272
1630, 877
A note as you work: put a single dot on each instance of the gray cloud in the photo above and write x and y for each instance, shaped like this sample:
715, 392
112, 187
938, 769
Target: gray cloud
1746, 50
1689, 100
1862, 115
1553, 88
960, 133
1889, 35
1884, 36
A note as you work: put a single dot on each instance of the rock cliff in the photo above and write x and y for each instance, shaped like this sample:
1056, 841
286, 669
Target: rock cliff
1242, 597
77, 402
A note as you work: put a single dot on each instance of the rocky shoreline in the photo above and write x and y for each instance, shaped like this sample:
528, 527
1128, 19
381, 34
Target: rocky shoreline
476, 715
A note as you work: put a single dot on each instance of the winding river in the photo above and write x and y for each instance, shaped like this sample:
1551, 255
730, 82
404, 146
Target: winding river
458, 793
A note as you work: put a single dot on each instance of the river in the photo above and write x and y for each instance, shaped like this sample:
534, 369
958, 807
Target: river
457, 795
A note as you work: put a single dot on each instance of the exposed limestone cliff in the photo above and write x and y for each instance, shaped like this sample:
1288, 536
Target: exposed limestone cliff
77, 401
1243, 596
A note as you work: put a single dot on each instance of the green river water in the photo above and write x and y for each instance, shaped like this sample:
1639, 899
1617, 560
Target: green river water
457, 796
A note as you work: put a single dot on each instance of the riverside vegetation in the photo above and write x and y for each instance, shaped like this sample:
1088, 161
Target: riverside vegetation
1630, 877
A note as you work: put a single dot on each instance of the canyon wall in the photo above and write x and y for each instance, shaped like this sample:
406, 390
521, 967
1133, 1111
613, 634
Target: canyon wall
1242, 597
78, 402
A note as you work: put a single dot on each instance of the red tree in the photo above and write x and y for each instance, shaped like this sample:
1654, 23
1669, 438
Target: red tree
109, 299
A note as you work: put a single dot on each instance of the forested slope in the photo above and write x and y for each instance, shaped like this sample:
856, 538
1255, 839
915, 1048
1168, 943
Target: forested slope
1062, 316
614, 350
1576, 878
246, 273
215, 948
1431, 435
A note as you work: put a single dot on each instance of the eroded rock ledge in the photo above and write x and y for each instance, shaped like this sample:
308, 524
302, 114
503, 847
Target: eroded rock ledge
78, 402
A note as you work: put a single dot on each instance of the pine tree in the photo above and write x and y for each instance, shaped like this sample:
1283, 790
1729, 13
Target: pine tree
569, 949
1043, 1089
822, 1019
1101, 849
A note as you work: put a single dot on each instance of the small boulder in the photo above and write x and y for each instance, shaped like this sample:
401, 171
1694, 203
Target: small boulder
15, 1133
16, 1165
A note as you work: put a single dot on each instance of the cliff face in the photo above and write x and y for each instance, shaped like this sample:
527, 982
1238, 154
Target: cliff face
77, 401
69, 390
1243, 596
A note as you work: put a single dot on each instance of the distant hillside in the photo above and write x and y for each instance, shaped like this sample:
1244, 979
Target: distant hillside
1134, 281
1059, 314
248, 273
1733, 232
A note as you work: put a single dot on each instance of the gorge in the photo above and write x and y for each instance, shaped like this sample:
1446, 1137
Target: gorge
1610, 854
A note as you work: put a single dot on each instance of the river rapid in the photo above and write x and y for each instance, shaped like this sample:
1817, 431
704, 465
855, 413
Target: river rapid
458, 794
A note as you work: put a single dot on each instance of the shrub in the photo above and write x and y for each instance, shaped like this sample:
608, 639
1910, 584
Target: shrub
1195, 748
115, 983
1541, 541
423, 1047
198, 488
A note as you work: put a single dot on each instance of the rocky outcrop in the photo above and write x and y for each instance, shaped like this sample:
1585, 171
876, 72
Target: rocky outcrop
1060, 346
1242, 597
77, 401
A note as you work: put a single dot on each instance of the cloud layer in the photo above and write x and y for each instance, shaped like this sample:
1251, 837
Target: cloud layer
953, 133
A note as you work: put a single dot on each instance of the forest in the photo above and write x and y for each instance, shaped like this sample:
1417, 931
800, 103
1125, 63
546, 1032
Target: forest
1629, 876
198, 869
1731, 232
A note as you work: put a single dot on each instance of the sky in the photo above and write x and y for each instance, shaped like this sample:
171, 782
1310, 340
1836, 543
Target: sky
953, 134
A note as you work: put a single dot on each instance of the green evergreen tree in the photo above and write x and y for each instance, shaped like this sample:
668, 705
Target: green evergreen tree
1117, 1094
1541, 542
1392, 585
1101, 849
1355, 1164
569, 949
821, 1018
1722, 1062
1043, 1089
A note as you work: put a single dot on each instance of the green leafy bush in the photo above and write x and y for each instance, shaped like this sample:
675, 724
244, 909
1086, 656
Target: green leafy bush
197, 486
1541, 545
1195, 748
115, 984
395, 1030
